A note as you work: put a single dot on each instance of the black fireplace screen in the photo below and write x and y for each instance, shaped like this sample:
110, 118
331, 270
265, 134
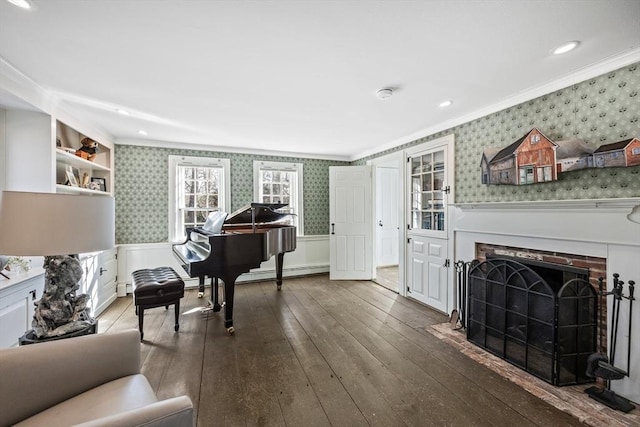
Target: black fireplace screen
540, 317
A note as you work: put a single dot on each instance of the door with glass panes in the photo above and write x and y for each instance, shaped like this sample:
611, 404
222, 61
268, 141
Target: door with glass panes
429, 184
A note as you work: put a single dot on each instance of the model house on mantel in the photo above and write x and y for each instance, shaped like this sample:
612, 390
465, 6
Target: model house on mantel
392, 165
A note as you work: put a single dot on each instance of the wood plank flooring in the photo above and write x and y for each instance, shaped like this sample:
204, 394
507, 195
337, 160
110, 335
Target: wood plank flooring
323, 353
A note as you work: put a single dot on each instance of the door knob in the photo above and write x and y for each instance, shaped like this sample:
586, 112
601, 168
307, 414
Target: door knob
380, 223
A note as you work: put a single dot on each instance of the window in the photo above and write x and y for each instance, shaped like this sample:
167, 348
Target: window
197, 186
635, 151
280, 182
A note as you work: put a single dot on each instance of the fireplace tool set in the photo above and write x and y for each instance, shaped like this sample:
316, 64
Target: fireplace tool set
601, 366
457, 319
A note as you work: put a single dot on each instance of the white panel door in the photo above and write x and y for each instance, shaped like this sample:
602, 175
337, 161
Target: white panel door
428, 273
387, 216
429, 187
350, 234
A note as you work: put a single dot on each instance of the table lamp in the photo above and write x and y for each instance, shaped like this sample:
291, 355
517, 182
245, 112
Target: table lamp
58, 227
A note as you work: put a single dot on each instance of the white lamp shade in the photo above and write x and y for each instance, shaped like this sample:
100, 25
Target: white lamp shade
34, 224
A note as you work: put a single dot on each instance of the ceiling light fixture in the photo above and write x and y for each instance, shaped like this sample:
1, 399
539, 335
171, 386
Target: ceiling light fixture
385, 93
445, 103
567, 47
123, 112
143, 132
23, 4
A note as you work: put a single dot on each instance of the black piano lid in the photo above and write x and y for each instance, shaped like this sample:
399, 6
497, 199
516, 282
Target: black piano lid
264, 213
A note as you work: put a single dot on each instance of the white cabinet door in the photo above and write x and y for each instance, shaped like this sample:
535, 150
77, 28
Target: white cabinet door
107, 270
99, 279
16, 309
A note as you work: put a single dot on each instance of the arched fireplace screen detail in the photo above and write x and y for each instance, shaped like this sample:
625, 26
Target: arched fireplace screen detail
546, 326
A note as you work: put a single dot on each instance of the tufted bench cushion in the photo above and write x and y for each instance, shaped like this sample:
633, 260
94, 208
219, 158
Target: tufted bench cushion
156, 287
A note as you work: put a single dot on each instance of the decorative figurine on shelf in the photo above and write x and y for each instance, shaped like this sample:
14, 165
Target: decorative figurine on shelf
85, 180
88, 150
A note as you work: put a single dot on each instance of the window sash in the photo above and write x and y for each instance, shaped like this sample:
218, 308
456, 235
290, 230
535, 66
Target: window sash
271, 182
197, 186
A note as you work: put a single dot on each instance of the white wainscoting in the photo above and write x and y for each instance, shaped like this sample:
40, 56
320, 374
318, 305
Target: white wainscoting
310, 257
584, 227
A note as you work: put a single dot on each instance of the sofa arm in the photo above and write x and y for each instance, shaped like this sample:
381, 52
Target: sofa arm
176, 412
38, 376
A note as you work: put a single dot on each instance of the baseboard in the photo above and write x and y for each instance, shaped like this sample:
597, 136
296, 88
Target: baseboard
124, 288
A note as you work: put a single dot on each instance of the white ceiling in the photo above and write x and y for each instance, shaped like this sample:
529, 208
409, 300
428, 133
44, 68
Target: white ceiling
299, 77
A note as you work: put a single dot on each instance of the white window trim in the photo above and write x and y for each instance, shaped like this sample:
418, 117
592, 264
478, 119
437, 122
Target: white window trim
174, 162
293, 167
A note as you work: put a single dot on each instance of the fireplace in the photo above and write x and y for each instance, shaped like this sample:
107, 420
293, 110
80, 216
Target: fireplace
599, 232
537, 315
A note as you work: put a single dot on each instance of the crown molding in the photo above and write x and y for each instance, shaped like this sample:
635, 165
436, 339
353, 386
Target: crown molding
583, 74
226, 149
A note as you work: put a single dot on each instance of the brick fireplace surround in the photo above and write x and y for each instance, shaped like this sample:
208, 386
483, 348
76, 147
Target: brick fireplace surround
594, 234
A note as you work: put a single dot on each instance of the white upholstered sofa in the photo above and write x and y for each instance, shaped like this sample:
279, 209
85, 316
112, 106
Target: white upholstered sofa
92, 380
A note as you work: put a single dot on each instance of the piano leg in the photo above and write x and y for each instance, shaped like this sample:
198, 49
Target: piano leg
229, 287
200, 286
279, 262
214, 294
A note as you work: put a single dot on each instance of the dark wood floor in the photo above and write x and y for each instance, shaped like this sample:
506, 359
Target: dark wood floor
322, 353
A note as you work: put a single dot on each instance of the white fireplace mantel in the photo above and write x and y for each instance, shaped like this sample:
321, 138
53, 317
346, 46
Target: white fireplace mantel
598, 228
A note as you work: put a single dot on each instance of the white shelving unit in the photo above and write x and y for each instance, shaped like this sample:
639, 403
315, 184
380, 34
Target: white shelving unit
30, 160
84, 171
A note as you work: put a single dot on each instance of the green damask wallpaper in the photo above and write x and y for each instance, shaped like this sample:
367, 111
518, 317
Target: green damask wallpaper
140, 186
599, 111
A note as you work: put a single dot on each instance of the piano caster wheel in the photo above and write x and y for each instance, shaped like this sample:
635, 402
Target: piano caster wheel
200, 294
230, 330
176, 327
279, 287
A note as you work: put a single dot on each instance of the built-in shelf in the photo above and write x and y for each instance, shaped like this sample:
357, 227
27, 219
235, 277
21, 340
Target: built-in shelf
69, 189
79, 171
78, 162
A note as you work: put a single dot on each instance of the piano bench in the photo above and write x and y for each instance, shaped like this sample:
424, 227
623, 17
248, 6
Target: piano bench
156, 287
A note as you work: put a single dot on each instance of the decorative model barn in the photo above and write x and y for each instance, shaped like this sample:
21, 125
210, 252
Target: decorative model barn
529, 160
618, 154
535, 158
573, 154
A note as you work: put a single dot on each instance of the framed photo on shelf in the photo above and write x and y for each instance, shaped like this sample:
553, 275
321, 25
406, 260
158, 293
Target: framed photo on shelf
99, 184
71, 174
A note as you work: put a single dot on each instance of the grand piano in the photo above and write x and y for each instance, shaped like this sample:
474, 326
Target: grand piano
225, 250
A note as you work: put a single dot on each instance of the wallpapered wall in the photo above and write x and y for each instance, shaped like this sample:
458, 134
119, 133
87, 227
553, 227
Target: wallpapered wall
141, 179
602, 110
599, 111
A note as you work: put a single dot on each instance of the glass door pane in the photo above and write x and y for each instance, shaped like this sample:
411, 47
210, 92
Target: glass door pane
427, 182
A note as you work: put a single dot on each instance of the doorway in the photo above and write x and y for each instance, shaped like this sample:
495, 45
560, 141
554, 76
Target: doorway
387, 214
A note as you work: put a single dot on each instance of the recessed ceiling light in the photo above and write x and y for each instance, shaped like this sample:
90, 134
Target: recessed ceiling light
385, 93
445, 103
143, 132
565, 47
24, 4
123, 112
